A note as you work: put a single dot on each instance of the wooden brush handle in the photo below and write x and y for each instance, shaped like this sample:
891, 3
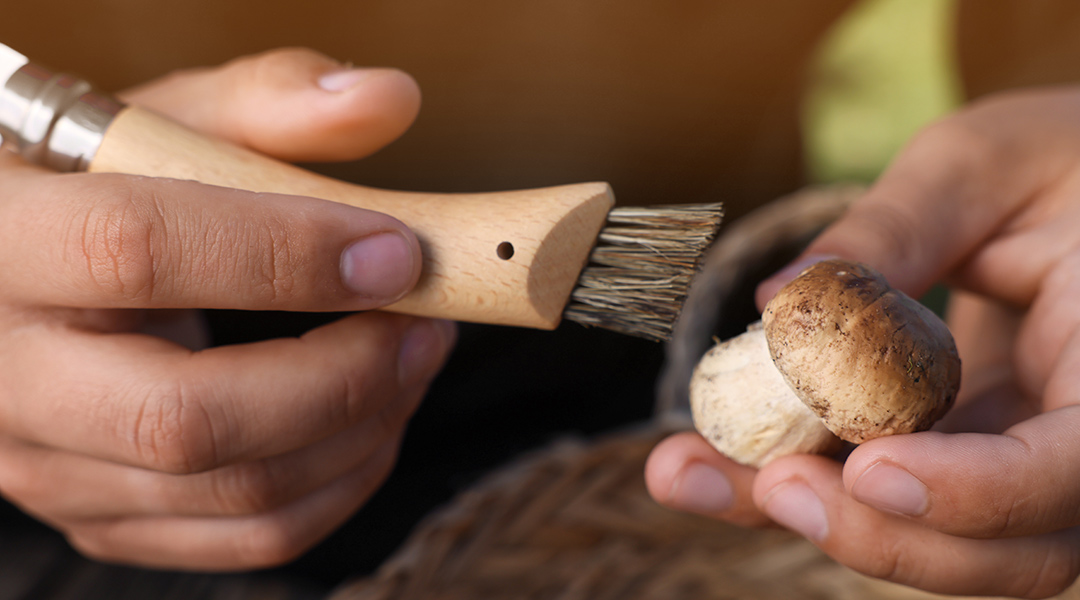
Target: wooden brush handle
468, 274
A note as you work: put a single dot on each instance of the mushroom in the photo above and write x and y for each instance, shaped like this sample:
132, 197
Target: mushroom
837, 355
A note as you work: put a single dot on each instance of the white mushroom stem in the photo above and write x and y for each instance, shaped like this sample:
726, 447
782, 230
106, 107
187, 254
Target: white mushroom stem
743, 406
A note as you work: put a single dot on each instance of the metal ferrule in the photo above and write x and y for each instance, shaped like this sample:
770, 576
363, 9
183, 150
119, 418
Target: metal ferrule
57, 121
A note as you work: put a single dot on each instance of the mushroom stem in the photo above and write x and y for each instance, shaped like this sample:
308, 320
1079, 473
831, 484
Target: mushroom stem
838, 351
743, 406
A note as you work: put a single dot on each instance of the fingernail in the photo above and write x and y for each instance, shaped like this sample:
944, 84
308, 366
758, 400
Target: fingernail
892, 489
379, 266
423, 348
795, 506
768, 288
700, 488
344, 79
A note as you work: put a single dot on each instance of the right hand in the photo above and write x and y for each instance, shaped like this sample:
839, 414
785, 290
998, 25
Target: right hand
988, 201
143, 451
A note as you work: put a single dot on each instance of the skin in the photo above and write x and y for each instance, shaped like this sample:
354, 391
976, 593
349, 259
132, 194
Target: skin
985, 200
146, 451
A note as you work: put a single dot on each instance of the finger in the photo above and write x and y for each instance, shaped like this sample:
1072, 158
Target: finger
232, 543
989, 400
114, 241
145, 402
685, 473
55, 485
976, 485
1052, 322
294, 104
958, 183
806, 494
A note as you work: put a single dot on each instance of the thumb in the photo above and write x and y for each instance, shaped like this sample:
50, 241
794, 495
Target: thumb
896, 228
955, 185
293, 104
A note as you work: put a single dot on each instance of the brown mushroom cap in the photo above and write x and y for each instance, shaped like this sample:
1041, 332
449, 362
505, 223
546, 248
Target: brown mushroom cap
866, 358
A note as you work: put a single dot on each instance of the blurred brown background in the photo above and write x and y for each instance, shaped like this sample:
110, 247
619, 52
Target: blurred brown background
686, 101
671, 101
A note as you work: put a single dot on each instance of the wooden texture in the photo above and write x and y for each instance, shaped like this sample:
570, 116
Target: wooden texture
466, 276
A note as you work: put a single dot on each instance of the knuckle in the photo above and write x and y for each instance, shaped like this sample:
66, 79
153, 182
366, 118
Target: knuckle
894, 227
387, 423
894, 559
100, 540
386, 458
269, 543
954, 132
258, 72
346, 399
999, 521
371, 397
23, 483
1055, 570
181, 78
287, 56
1018, 509
943, 133
356, 396
117, 238
959, 146
1014, 513
888, 562
261, 259
274, 266
393, 418
89, 543
250, 488
360, 386
133, 249
1062, 283
172, 431
267, 66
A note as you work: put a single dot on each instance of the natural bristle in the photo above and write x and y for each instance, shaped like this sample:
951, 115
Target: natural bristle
641, 268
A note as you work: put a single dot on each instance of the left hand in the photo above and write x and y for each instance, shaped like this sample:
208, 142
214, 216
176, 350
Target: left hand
142, 451
986, 200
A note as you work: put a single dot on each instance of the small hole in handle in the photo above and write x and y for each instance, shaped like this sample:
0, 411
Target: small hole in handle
505, 250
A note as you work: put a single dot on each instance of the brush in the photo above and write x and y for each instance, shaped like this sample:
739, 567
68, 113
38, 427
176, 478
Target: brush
525, 258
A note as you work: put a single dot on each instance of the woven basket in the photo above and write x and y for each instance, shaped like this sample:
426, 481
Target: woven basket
574, 521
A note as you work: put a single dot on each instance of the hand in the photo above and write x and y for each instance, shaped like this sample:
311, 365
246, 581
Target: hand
987, 200
142, 451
